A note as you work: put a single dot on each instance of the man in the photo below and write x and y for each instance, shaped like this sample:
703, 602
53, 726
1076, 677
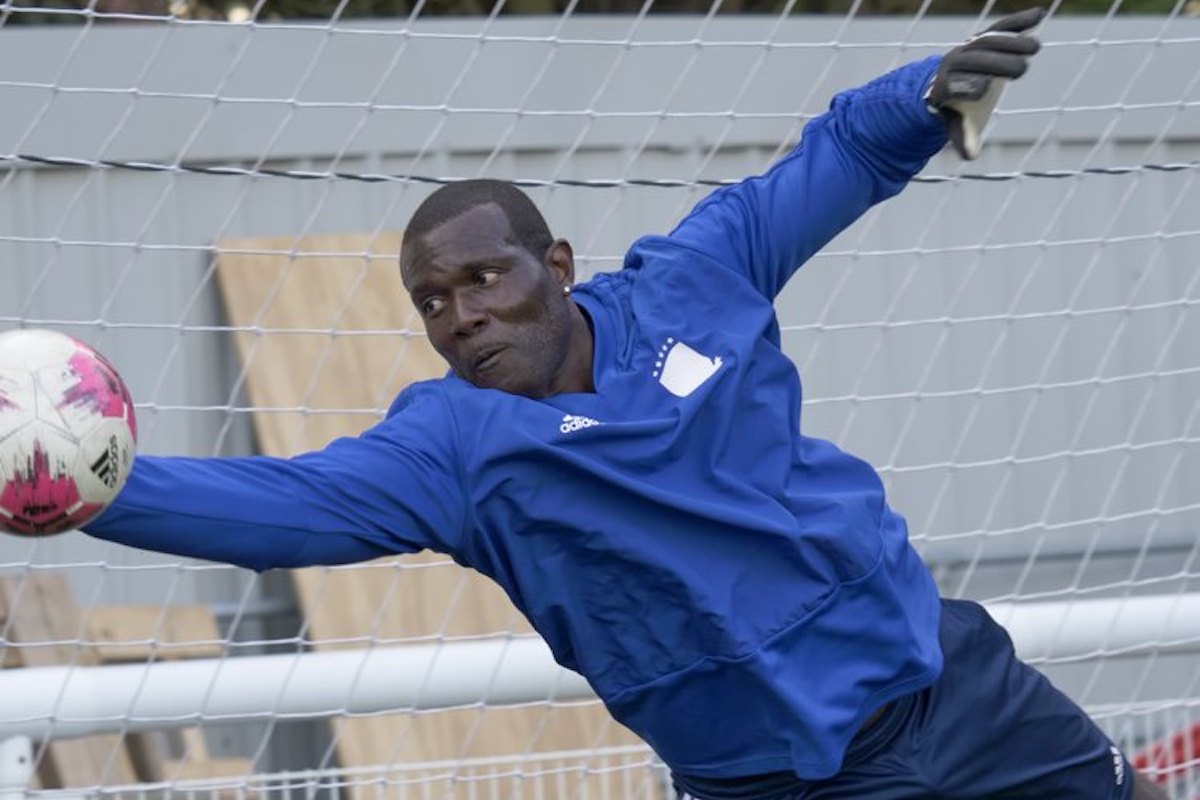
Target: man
624, 457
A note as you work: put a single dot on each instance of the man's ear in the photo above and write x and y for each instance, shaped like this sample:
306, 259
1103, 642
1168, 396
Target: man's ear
560, 260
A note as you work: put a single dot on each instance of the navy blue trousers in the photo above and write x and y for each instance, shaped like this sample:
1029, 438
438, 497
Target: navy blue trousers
990, 727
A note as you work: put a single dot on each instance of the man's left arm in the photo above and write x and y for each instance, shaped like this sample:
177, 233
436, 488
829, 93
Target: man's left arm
864, 149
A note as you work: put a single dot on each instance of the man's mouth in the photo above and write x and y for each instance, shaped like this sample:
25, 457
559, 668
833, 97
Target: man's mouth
488, 357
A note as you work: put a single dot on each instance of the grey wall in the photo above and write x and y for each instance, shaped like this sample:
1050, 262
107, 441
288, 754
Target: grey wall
1017, 356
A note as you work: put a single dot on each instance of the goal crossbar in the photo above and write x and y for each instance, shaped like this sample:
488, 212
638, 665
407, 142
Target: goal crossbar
65, 701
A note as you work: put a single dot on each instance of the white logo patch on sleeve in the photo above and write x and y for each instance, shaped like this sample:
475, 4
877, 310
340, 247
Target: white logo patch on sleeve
681, 370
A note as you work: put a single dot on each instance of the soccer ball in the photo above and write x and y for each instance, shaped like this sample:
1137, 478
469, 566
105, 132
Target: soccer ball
67, 433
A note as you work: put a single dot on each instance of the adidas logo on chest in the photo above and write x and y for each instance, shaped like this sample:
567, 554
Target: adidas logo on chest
575, 422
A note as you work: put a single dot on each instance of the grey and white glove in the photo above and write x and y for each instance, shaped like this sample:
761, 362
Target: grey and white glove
971, 77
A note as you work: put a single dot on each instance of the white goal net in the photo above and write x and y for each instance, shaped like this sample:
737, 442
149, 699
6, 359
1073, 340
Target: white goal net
215, 203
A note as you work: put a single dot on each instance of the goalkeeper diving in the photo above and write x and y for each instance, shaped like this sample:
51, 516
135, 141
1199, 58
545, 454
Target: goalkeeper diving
624, 456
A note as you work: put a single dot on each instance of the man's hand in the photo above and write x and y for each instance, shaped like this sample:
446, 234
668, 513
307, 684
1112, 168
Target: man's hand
971, 77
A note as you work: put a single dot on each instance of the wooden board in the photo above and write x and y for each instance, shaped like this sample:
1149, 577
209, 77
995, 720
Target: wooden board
44, 625
137, 634
288, 308
39, 614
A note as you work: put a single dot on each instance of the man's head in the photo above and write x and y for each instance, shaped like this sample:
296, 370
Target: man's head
488, 278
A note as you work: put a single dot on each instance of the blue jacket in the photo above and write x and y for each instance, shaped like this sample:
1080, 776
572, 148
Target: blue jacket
738, 594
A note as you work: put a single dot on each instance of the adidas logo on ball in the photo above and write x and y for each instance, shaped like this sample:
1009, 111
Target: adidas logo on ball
106, 466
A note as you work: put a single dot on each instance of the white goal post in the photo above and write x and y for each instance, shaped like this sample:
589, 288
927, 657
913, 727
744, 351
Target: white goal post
65, 701
216, 205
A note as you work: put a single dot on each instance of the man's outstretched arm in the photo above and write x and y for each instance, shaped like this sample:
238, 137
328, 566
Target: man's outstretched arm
392, 490
864, 149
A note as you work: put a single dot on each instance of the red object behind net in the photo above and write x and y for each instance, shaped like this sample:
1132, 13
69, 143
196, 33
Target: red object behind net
1173, 758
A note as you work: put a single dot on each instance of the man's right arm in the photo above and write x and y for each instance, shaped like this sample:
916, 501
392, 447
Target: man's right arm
394, 489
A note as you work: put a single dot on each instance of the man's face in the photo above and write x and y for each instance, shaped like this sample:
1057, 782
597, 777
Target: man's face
494, 311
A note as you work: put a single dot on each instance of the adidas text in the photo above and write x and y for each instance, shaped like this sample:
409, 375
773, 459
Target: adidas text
572, 423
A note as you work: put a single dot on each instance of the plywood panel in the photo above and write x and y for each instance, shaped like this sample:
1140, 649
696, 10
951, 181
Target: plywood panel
43, 625
124, 634
39, 614
326, 336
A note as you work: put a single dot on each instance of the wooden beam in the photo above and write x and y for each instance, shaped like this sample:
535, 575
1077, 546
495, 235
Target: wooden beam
138, 633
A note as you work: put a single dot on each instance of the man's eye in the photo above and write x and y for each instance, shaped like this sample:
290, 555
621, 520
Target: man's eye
486, 277
432, 306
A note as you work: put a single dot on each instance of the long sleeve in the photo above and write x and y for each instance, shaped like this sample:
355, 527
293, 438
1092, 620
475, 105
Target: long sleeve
866, 148
396, 488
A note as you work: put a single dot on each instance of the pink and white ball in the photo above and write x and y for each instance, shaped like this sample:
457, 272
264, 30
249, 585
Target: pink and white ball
67, 433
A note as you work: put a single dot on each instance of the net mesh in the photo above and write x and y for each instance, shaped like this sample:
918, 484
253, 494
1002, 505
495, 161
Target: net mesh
214, 202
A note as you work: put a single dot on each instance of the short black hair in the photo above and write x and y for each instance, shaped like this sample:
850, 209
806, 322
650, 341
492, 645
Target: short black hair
527, 223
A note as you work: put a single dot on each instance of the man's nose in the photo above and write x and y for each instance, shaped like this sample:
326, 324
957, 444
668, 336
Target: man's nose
469, 316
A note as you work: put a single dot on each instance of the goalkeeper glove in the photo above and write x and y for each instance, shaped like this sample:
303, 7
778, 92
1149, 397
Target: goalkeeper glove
971, 77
